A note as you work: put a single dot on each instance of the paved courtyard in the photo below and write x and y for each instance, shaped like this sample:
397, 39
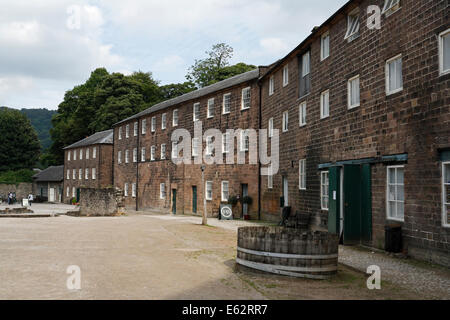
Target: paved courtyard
152, 257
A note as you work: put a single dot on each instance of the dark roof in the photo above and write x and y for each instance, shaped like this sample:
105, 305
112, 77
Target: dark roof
227, 83
314, 32
103, 137
51, 174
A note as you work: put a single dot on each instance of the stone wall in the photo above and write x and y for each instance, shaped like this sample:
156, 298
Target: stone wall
22, 190
101, 202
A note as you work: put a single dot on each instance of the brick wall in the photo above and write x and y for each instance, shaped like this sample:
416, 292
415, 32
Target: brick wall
103, 169
183, 177
414, 121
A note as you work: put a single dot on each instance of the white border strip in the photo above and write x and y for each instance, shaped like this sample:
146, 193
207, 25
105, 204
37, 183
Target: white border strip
287, 270
286, 255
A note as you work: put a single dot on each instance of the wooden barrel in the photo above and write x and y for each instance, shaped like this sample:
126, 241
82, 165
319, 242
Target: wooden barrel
289, 252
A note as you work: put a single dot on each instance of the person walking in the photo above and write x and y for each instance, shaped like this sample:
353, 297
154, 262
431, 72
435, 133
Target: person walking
9, 198
30, 199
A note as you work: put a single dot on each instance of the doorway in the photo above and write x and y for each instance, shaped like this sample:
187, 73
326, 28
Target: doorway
194, 199
350, 205
244, 194
51, 196
285, 191
174, 201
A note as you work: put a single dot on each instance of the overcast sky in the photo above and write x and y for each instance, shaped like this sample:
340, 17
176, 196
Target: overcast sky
49, 46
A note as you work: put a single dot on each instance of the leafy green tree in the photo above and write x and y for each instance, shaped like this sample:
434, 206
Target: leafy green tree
19, 144
216, 66
41, 120
174, 90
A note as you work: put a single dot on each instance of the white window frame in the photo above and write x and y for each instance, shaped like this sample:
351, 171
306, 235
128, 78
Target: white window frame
195, 147
322, 104
174, 150
143, 154
285, 122
135, 129
125, 190
306, 63
162, 190
285, 75
441, 53
68, 174
67, 192
68, 155
119, 157
324, 39
86, 174
94, 174
209, 191
153, 153
388, 75
210, 108
209, 145
164, 121
195, 112
302, 114
127, 131
87, 153
175, 118
244, 135
73, 192
80, 174
144, 126
388, 211
271, 85
226, 142
153, 124
326, 185
246, 94
133, 190
81, 154
163, 151
226, 97
302, 174
270, 128
444, 196
390, 6
74, 174
94, 153
352, 28
135, 155
349, 92
120, 133
74, 155
270, 177
227, 184
127, 156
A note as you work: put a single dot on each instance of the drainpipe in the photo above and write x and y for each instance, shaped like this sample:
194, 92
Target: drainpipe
259, 162
138, 155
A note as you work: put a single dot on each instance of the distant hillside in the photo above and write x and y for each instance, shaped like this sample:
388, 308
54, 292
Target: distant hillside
41, 119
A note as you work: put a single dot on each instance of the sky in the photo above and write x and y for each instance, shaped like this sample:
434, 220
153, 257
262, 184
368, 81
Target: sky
49, 46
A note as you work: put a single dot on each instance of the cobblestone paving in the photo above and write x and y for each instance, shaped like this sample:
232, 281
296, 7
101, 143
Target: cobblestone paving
433, 281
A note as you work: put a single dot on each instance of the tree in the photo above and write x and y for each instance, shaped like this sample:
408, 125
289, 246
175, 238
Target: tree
174, 90
19, 144
216, 67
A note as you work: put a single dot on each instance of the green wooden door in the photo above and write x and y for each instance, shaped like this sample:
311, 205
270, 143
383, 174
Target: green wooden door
194, 199
174, 201
78, 195
334, 200
366, 203
352, 204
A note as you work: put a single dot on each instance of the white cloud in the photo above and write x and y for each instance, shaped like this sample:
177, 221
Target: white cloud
274, 46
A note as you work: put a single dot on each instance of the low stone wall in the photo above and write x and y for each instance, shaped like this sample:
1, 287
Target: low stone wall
288, 251
22, 190
101, 202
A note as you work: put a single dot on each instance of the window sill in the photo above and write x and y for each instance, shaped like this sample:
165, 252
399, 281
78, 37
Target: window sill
395, 219
352, 37
390, 93
303, 97
225, 113
302, 125
323, 59
323, 118
245, 109
391, 11
354, 107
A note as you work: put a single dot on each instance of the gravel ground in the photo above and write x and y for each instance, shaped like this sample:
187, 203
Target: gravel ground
423, 278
